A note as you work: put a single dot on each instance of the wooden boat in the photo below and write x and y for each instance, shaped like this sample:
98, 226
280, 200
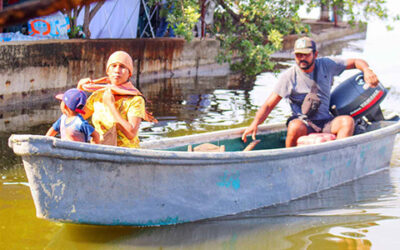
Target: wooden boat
162, 183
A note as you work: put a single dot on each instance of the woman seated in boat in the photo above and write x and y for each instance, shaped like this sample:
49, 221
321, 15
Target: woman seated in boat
116, 106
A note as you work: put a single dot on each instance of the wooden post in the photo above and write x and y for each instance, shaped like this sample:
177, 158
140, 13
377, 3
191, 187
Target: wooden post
1, 9
203, 12
335, 16
324, 15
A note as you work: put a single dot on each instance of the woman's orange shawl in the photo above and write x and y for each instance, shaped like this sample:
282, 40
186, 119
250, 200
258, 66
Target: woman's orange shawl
127, 88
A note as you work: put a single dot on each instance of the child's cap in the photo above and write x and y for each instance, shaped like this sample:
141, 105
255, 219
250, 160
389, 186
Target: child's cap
75, 99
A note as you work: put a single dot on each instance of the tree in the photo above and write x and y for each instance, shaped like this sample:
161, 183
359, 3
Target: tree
356, 11
182, 17
88, 16
324, 15
249, 31
252, 31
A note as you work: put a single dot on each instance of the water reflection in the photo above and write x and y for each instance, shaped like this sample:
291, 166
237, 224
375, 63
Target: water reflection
259, 233
183, 106
307, 222
344, 240
24, 118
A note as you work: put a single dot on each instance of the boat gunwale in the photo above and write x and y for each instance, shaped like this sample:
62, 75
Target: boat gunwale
162, 157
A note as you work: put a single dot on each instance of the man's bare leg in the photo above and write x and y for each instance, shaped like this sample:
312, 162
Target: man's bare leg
296, 128
342, 126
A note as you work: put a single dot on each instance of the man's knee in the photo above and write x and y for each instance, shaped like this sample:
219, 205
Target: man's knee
344, 123
297, 126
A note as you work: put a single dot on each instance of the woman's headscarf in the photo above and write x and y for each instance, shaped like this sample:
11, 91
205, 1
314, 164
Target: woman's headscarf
123, 58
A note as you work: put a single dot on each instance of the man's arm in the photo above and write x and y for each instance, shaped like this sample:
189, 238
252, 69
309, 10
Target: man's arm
369, 76
261, 115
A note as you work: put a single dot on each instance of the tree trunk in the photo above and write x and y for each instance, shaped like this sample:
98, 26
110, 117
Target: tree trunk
86, 21
89, 14
324, 15
1, 8
338, 8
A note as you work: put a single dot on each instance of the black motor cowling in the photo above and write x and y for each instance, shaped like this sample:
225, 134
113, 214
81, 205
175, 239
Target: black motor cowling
351, 98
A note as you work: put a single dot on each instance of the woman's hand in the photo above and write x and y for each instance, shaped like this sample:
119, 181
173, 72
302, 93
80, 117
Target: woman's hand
128, 127
83, 82
108, 98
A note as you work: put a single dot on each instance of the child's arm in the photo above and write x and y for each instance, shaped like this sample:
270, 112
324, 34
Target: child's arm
51, 132
89, 131
55, 128
96, 137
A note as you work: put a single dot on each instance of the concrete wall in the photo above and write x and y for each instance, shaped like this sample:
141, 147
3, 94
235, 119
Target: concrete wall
34, 71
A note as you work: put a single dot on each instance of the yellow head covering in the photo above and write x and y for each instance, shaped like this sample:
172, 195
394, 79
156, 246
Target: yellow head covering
123, 58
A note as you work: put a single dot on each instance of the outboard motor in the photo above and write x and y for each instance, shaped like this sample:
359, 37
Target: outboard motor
351, 98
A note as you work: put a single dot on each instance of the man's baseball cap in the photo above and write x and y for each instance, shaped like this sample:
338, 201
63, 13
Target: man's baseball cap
75, 99
304, 45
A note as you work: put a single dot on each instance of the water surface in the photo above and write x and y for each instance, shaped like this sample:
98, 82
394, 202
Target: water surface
359, 215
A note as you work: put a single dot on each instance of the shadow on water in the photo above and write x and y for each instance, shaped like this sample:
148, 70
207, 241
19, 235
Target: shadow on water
273, 227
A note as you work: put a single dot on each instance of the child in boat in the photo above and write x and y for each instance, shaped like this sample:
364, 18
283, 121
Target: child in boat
71, 125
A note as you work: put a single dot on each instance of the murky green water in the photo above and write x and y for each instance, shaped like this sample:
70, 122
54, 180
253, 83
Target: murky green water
360, 215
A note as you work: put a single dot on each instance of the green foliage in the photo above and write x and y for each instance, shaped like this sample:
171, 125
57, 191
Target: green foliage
183, 18
181, 15
354, 10
251, 31
76, 31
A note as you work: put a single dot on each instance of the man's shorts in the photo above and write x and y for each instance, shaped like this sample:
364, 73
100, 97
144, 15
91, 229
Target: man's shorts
324, 125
